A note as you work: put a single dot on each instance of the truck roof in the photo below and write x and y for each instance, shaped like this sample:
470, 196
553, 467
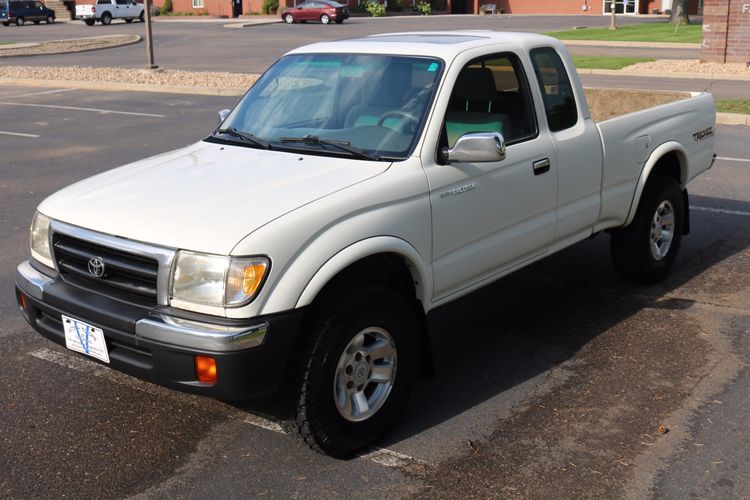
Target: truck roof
444, 44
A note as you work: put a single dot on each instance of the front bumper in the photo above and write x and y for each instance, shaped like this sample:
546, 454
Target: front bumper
160, 344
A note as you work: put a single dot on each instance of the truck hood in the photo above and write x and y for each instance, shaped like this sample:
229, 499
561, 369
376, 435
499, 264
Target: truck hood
205, 197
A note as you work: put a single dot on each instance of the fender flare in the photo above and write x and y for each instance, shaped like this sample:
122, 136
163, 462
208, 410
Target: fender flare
366, 248
656, 155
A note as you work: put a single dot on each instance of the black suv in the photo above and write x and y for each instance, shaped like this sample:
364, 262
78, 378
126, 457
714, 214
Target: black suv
15, 11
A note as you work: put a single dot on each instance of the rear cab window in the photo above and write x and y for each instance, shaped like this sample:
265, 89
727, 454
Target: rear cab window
557, 91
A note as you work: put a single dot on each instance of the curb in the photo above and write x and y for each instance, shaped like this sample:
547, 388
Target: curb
252, 23
653, 45
133, 40
115, 86
645, 74
733, 119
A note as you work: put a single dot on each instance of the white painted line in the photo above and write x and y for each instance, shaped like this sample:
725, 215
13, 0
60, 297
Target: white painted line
720, 211
67, 361
261, 422
77, 363
741, 160
73, 108
18, 134
390, 458
29, 94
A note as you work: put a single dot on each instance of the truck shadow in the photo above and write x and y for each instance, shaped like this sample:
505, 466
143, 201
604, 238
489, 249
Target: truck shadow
497, 338
489, 344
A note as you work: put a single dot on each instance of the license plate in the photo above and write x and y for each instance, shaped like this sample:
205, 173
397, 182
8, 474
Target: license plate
84, 338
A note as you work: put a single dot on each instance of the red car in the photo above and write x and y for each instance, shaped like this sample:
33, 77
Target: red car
324, 11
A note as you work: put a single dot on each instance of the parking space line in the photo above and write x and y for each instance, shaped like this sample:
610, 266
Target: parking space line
29, 94
719, 210
18, 134
380, 456
726, 158
74, 108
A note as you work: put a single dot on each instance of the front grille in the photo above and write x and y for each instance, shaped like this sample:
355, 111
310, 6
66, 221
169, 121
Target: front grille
126, 276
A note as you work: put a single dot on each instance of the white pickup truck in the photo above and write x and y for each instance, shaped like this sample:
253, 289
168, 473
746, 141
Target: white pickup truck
105, 11
357, 186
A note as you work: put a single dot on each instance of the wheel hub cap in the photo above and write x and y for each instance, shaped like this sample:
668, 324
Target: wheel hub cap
365, 374
662, 230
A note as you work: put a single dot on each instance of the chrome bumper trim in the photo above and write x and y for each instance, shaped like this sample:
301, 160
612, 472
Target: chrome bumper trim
32, 281
198, 335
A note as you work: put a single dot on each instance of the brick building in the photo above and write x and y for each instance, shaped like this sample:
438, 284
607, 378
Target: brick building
593, 7
726, 31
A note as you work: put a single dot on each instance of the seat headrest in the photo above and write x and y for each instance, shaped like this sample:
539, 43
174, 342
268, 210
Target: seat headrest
475, 84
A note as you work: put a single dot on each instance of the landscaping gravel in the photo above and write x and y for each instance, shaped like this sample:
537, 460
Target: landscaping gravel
690, 66
66, 46
204, 79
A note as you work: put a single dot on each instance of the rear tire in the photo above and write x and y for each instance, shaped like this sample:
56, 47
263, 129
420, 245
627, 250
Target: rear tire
90, 22
339, 21
6, 23
20, 21
644, 251
106, 19
325, 19
356, 372
141, 17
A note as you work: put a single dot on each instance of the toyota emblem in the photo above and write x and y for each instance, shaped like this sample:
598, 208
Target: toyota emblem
96, 267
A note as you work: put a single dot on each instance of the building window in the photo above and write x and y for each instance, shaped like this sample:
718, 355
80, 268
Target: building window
198, 4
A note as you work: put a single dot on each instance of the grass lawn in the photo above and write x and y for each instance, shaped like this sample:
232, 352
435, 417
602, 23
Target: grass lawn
741, 106
647, 32
599, 62
5, 42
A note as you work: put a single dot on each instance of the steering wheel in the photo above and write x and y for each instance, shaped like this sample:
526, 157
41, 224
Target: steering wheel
398, 113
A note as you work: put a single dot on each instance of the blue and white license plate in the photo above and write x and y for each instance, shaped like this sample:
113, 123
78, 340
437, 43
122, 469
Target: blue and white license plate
84, 338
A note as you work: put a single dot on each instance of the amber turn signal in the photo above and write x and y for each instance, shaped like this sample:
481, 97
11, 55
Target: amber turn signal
205, 369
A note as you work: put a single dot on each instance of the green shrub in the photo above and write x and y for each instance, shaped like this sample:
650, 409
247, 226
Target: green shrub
424, 8
166, 7
270, 6
375, 9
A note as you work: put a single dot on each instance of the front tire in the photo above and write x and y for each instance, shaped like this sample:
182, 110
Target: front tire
141, 17
20, 21
50, 20
644, 251
106, 19
289, 19
325, 19
357, 372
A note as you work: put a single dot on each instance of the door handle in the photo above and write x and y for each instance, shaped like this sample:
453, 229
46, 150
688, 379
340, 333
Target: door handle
541, 166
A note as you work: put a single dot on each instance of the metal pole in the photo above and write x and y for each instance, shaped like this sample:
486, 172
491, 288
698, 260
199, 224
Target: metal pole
149, 36
613, 8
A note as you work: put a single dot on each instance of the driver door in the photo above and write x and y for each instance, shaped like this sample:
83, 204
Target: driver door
489, 217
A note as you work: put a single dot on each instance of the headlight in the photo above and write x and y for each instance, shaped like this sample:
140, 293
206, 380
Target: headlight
40, 240
215, 280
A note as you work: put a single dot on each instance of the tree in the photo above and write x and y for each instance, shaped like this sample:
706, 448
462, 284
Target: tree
679, 12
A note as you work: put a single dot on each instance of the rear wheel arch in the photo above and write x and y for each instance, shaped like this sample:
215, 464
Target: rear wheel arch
669, 160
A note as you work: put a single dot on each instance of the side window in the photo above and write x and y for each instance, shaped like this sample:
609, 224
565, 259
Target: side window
102, 2
557, 92
491, 95
122, 2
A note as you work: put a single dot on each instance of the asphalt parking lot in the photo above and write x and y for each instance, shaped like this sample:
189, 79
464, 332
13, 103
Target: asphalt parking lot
550, 383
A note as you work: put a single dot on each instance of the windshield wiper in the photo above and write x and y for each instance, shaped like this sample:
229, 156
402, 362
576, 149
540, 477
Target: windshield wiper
245, 137
342, 145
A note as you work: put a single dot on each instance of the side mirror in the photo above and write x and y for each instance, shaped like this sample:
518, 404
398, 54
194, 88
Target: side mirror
223, 115
476, 147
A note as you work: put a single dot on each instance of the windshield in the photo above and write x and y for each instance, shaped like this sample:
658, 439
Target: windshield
374, 103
